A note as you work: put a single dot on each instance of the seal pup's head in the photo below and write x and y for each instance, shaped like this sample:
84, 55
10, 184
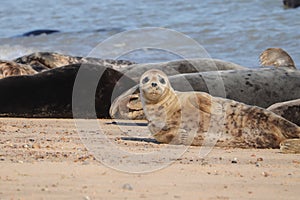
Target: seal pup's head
154, 86
276, 57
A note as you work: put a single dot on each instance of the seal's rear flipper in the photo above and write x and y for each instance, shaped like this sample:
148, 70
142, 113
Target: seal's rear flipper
290, 146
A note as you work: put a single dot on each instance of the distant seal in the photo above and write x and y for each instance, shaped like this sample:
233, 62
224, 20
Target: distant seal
276, 57
40, 32
9, 68
175, 116
50, 93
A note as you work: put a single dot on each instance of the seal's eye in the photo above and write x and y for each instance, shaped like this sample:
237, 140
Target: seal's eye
145, 80
162, 80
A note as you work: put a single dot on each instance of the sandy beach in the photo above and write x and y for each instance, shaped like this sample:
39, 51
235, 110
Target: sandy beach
46, 159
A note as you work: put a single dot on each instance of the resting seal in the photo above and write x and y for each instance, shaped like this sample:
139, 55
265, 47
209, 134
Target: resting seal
276, 57
50, 93
291, 3
191, 117
41, 61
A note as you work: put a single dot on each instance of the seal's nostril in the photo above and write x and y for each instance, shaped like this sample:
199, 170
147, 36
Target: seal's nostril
154, 84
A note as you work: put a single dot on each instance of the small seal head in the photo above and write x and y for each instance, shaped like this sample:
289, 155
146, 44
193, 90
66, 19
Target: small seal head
276, 57
154, 86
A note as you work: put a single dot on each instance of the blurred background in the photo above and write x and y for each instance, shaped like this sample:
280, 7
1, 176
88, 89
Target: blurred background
232, 30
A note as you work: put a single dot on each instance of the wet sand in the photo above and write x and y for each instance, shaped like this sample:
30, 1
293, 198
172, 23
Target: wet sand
46, 159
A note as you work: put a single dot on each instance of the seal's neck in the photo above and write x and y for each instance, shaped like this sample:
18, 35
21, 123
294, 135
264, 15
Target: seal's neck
167, 103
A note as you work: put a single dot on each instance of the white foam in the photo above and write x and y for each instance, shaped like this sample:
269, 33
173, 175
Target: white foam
10, 52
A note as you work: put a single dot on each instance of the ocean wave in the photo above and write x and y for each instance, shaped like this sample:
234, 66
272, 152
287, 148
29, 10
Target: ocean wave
10, 52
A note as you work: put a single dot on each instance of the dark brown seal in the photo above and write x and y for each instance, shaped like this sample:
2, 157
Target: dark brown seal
49, 93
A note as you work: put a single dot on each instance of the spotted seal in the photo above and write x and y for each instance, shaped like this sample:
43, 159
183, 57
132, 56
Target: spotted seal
41, 61
39, 32
9, 68
192, 117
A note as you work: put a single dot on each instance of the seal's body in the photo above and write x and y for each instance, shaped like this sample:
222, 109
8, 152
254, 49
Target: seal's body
196, 118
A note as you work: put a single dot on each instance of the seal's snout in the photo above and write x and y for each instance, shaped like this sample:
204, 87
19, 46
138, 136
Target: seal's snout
154, 84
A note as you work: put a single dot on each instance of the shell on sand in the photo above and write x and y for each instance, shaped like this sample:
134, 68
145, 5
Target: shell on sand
180, 67
289, 110
260, 87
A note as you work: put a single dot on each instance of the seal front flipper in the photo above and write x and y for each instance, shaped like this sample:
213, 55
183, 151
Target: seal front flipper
290, 146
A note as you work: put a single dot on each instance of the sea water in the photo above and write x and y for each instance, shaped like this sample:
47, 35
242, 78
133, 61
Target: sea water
232, 30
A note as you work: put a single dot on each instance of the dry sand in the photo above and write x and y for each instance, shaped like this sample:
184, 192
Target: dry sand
45, 159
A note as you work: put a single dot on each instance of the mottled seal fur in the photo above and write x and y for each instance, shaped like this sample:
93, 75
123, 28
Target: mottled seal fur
289, 110
9, 68
49, 93
193, 117
276, 57
49, 60
253, 87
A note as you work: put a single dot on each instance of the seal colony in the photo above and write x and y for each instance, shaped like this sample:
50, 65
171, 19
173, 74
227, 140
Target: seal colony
38, 76
195, 117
